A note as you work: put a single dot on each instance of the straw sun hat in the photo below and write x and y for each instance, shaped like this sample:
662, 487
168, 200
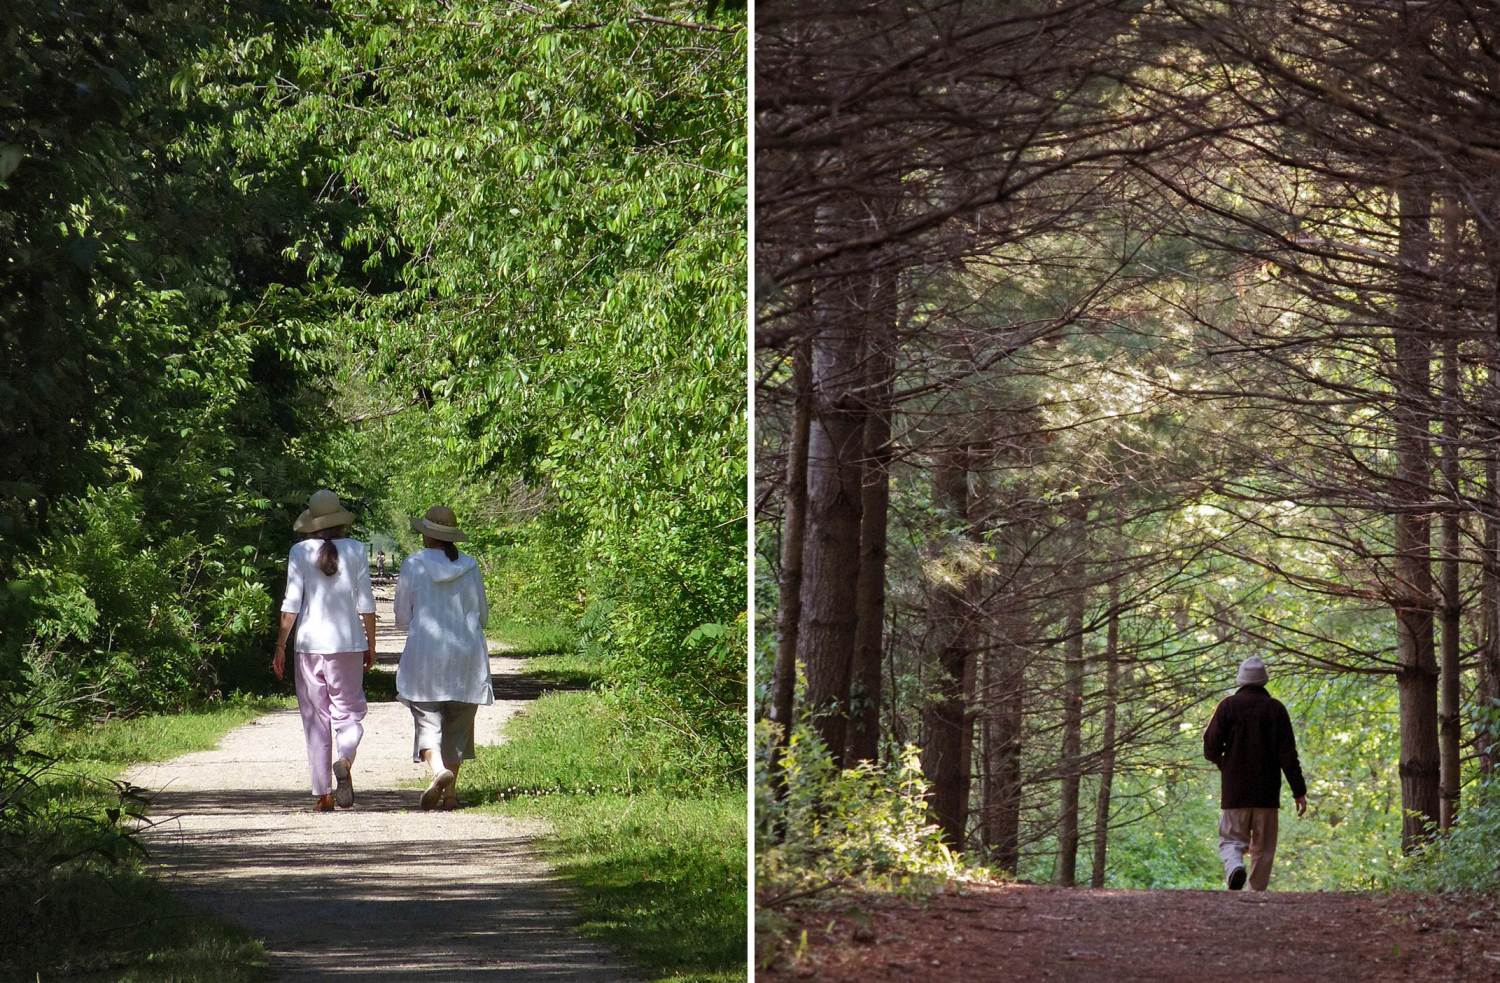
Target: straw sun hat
324, 511
439, 523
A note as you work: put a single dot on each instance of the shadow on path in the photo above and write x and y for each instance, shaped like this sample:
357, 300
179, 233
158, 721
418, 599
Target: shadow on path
379, 892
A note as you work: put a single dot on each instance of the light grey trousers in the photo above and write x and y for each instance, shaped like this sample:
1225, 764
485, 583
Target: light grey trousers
446, 728
1250, 831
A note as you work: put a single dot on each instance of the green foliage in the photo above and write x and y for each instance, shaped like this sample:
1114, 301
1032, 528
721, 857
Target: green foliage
124, 623
658, 860
866, 825
553, 206
159, 357
1465, 858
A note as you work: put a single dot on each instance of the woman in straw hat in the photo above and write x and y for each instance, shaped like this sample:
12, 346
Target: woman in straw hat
328, 598
444, 673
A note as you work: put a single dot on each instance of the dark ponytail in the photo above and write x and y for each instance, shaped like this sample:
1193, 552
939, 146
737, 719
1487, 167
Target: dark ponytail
328, 554
450, 551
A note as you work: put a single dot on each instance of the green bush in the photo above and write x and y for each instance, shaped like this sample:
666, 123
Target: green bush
120, 623
1465, 858
866, 825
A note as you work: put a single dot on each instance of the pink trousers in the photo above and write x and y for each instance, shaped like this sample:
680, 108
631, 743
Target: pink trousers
331, 698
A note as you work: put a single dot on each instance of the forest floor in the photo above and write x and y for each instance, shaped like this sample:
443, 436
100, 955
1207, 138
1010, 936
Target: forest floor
382, 891
1028, 932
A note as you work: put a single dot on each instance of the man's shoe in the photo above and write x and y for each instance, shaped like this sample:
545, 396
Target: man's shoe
1236, 878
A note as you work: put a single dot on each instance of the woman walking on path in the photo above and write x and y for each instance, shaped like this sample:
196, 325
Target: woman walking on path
444, 674
328, 598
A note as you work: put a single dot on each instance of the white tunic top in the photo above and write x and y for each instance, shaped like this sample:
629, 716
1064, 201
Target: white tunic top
441, 604
329, 608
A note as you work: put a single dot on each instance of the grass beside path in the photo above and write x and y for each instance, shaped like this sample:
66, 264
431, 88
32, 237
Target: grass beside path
550, 650
659, 868
69, 910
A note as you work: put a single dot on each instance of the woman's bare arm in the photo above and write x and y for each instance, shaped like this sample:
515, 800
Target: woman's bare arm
370, 637
278, 659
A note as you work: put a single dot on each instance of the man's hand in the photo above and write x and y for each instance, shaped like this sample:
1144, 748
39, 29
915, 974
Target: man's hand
278, 662
370, 657
1301, 806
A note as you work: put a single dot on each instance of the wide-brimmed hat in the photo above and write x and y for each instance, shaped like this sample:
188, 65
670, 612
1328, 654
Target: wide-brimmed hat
439, 523
1252, 672
324, 511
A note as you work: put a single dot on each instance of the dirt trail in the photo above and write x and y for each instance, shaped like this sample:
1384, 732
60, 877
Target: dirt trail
380, 892
1024, 932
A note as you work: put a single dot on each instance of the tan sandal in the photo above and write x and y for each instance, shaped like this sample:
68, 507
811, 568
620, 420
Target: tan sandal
442, 782
323, 803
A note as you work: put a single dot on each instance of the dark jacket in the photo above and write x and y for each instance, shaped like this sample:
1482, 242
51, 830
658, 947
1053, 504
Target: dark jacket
1250, 739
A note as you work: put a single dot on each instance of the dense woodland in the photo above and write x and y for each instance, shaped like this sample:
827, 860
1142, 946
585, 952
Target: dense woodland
482, 254
1101, 345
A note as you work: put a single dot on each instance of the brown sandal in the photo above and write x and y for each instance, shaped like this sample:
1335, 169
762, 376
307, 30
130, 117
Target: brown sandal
323, 803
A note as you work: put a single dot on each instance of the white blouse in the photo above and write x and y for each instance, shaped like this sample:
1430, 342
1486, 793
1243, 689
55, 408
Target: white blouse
441, 604
328, 608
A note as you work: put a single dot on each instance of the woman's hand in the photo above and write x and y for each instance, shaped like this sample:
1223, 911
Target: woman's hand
370, 657
278, 662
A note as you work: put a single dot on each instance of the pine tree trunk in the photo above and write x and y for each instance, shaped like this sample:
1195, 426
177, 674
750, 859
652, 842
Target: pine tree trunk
1417, 672
835, 456
789, 602
1067, 834
947, 726
1107, 748
869, 637
1003, 717
1489, 654
1448, 710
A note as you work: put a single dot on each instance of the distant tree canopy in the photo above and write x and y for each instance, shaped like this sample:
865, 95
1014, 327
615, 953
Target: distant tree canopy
556, 203
487, 252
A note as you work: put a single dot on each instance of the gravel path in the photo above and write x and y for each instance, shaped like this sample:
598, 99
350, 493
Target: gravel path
382, 891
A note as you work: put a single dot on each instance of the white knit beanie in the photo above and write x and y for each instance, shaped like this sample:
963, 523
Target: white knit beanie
1252, 672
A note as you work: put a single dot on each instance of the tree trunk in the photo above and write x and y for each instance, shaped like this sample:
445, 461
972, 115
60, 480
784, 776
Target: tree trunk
1416, 677
1107, 747
1067, 834
793, 526
1488, 702
946, 723
1448, 710
835, 455
1489, 654
1452, 611
869, 636
1005, 692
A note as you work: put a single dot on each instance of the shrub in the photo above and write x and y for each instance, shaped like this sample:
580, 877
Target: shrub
119, 623
1464, 859
866, 825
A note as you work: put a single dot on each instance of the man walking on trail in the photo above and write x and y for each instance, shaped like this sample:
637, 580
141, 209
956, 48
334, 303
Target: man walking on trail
1250, 739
